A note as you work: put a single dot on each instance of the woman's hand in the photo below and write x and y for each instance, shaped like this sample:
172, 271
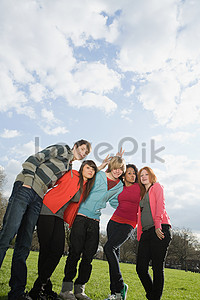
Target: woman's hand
105, 162
120, 153
160, 234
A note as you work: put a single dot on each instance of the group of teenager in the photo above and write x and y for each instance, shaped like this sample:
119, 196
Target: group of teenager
48, 193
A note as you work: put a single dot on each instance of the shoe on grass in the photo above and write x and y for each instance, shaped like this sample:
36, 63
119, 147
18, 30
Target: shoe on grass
116, 296
68, 295
124, 292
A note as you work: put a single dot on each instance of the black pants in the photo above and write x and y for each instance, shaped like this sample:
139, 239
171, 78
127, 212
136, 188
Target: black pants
117, 234
154, 249
51, 236
84, 239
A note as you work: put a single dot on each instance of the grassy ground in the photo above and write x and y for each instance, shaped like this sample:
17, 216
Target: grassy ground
178, 284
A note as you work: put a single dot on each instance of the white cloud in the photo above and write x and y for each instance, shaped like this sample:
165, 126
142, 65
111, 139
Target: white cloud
181, 184
187, 47
55, 131
48, 115
7, 133
96, 77
11, 170
148, 34
48, 122
178, 136
159, 95
23, 151
90, 99
10, 96
37, 55
128, 94
126, 114
37, 92
188, 111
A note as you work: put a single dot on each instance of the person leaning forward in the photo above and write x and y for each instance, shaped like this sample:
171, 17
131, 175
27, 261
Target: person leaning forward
40, 172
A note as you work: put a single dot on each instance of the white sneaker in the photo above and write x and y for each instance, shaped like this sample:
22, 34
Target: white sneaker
68, 295
116, 296
82, 296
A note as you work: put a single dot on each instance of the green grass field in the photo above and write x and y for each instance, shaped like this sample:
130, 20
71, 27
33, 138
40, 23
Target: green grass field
178, 284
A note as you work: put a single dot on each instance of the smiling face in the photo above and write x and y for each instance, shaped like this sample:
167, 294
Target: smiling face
145, 179
115, 174
129, 177
88, 172
80, 152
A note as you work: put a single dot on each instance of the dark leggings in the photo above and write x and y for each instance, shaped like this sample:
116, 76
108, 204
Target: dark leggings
84, 239
117, 234
154, 249
51, 236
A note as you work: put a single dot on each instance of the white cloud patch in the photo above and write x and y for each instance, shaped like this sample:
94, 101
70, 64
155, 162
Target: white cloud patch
157, 40
178, 136
126, 114
90, 99
96, 77
37, 92
55, 131
22, 152
159, 95
181, 183
9, 133
49, 121
38, 58
188, 111
148, 34
48, 115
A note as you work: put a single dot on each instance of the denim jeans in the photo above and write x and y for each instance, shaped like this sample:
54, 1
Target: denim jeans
152, 248
117, 234
22, 212
84, 239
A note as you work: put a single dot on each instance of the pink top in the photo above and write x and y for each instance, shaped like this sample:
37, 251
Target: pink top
127, 209
158, 211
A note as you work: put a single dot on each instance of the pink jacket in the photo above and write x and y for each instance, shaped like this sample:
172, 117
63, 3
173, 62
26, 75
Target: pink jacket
157, 204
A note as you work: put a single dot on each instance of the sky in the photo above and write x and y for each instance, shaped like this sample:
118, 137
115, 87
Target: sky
115, 72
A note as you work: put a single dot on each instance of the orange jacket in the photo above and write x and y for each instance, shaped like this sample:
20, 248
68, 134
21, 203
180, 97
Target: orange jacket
67, 186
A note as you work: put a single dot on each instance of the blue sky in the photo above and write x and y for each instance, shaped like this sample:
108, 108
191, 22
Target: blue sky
106, 71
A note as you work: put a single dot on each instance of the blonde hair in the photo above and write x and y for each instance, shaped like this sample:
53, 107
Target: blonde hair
116, 163
152, 179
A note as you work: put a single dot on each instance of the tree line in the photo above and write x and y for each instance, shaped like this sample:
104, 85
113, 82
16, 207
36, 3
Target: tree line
183, 252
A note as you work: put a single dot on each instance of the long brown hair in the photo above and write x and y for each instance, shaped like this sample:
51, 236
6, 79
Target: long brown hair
90, 181
152, 179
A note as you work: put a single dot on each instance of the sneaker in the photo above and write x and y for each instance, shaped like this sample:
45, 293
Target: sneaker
68, 295
37, 295
52, 295
116, 296
124, 291
24, 296
82, 296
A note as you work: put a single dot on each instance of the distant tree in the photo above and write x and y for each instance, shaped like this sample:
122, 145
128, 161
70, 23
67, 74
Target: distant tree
184, 247
128, 251
102, 241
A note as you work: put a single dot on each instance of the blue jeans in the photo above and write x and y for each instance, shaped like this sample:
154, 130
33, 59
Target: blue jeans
22, 212
117, 234
152, 248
